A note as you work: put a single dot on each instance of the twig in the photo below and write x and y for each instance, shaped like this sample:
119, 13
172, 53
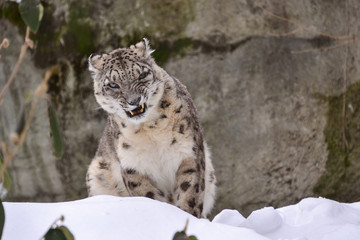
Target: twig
4, 44
186, 225
284, 34
61, 219
283, 12
27, 43
15, 145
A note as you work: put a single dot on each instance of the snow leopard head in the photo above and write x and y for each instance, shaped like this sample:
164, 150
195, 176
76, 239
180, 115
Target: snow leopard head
125, 82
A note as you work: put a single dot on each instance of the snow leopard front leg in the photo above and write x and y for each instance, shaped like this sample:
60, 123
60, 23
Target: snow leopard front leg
190, 187
141, 185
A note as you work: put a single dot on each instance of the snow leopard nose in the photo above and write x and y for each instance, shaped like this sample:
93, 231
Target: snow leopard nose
134, 100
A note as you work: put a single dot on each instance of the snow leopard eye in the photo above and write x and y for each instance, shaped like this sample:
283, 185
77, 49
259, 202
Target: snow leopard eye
143, 75
113, 85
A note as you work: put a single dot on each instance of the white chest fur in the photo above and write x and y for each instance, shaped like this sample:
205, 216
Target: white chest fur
153, 152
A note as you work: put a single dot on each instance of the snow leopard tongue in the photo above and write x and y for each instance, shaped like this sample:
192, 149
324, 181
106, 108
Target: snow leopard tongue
137, 111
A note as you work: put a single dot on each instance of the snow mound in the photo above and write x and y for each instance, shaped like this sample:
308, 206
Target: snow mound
263, 221
109, 217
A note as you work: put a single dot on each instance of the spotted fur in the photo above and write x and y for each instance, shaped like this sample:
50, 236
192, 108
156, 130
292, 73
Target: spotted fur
152, 144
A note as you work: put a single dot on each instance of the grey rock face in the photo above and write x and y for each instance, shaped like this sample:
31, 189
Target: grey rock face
261, 119
264, 107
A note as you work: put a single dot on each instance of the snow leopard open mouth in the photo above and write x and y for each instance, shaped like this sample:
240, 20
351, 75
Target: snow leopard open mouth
137, 111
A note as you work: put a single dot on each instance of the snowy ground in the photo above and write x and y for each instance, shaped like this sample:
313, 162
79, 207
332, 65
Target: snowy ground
107, 217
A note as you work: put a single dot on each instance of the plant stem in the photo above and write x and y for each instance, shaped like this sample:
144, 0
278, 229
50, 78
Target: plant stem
27, 43
14, 147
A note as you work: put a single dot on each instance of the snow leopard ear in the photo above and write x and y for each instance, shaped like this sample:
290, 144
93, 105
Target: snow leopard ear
143, 48
96, 63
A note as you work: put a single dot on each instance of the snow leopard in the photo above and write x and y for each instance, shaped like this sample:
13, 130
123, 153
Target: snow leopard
153, 144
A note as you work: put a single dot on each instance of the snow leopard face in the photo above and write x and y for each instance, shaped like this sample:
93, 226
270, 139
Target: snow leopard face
125, 83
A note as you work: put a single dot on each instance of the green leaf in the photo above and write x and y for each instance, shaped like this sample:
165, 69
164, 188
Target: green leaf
56, 133
192, 237
180, 236
2, 218
55, 234
67, 233
21, 122
31, 11
7, 182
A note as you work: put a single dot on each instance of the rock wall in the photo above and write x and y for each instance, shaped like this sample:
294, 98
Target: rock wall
269, 92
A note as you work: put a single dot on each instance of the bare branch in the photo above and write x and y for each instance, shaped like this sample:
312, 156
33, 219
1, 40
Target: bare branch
4, 44
16, 143
285, 34
27, 43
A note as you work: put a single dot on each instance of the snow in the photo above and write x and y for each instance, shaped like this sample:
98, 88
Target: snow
109, 217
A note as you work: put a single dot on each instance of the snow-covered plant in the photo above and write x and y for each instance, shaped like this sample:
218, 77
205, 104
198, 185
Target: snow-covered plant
181, 235
58, 232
